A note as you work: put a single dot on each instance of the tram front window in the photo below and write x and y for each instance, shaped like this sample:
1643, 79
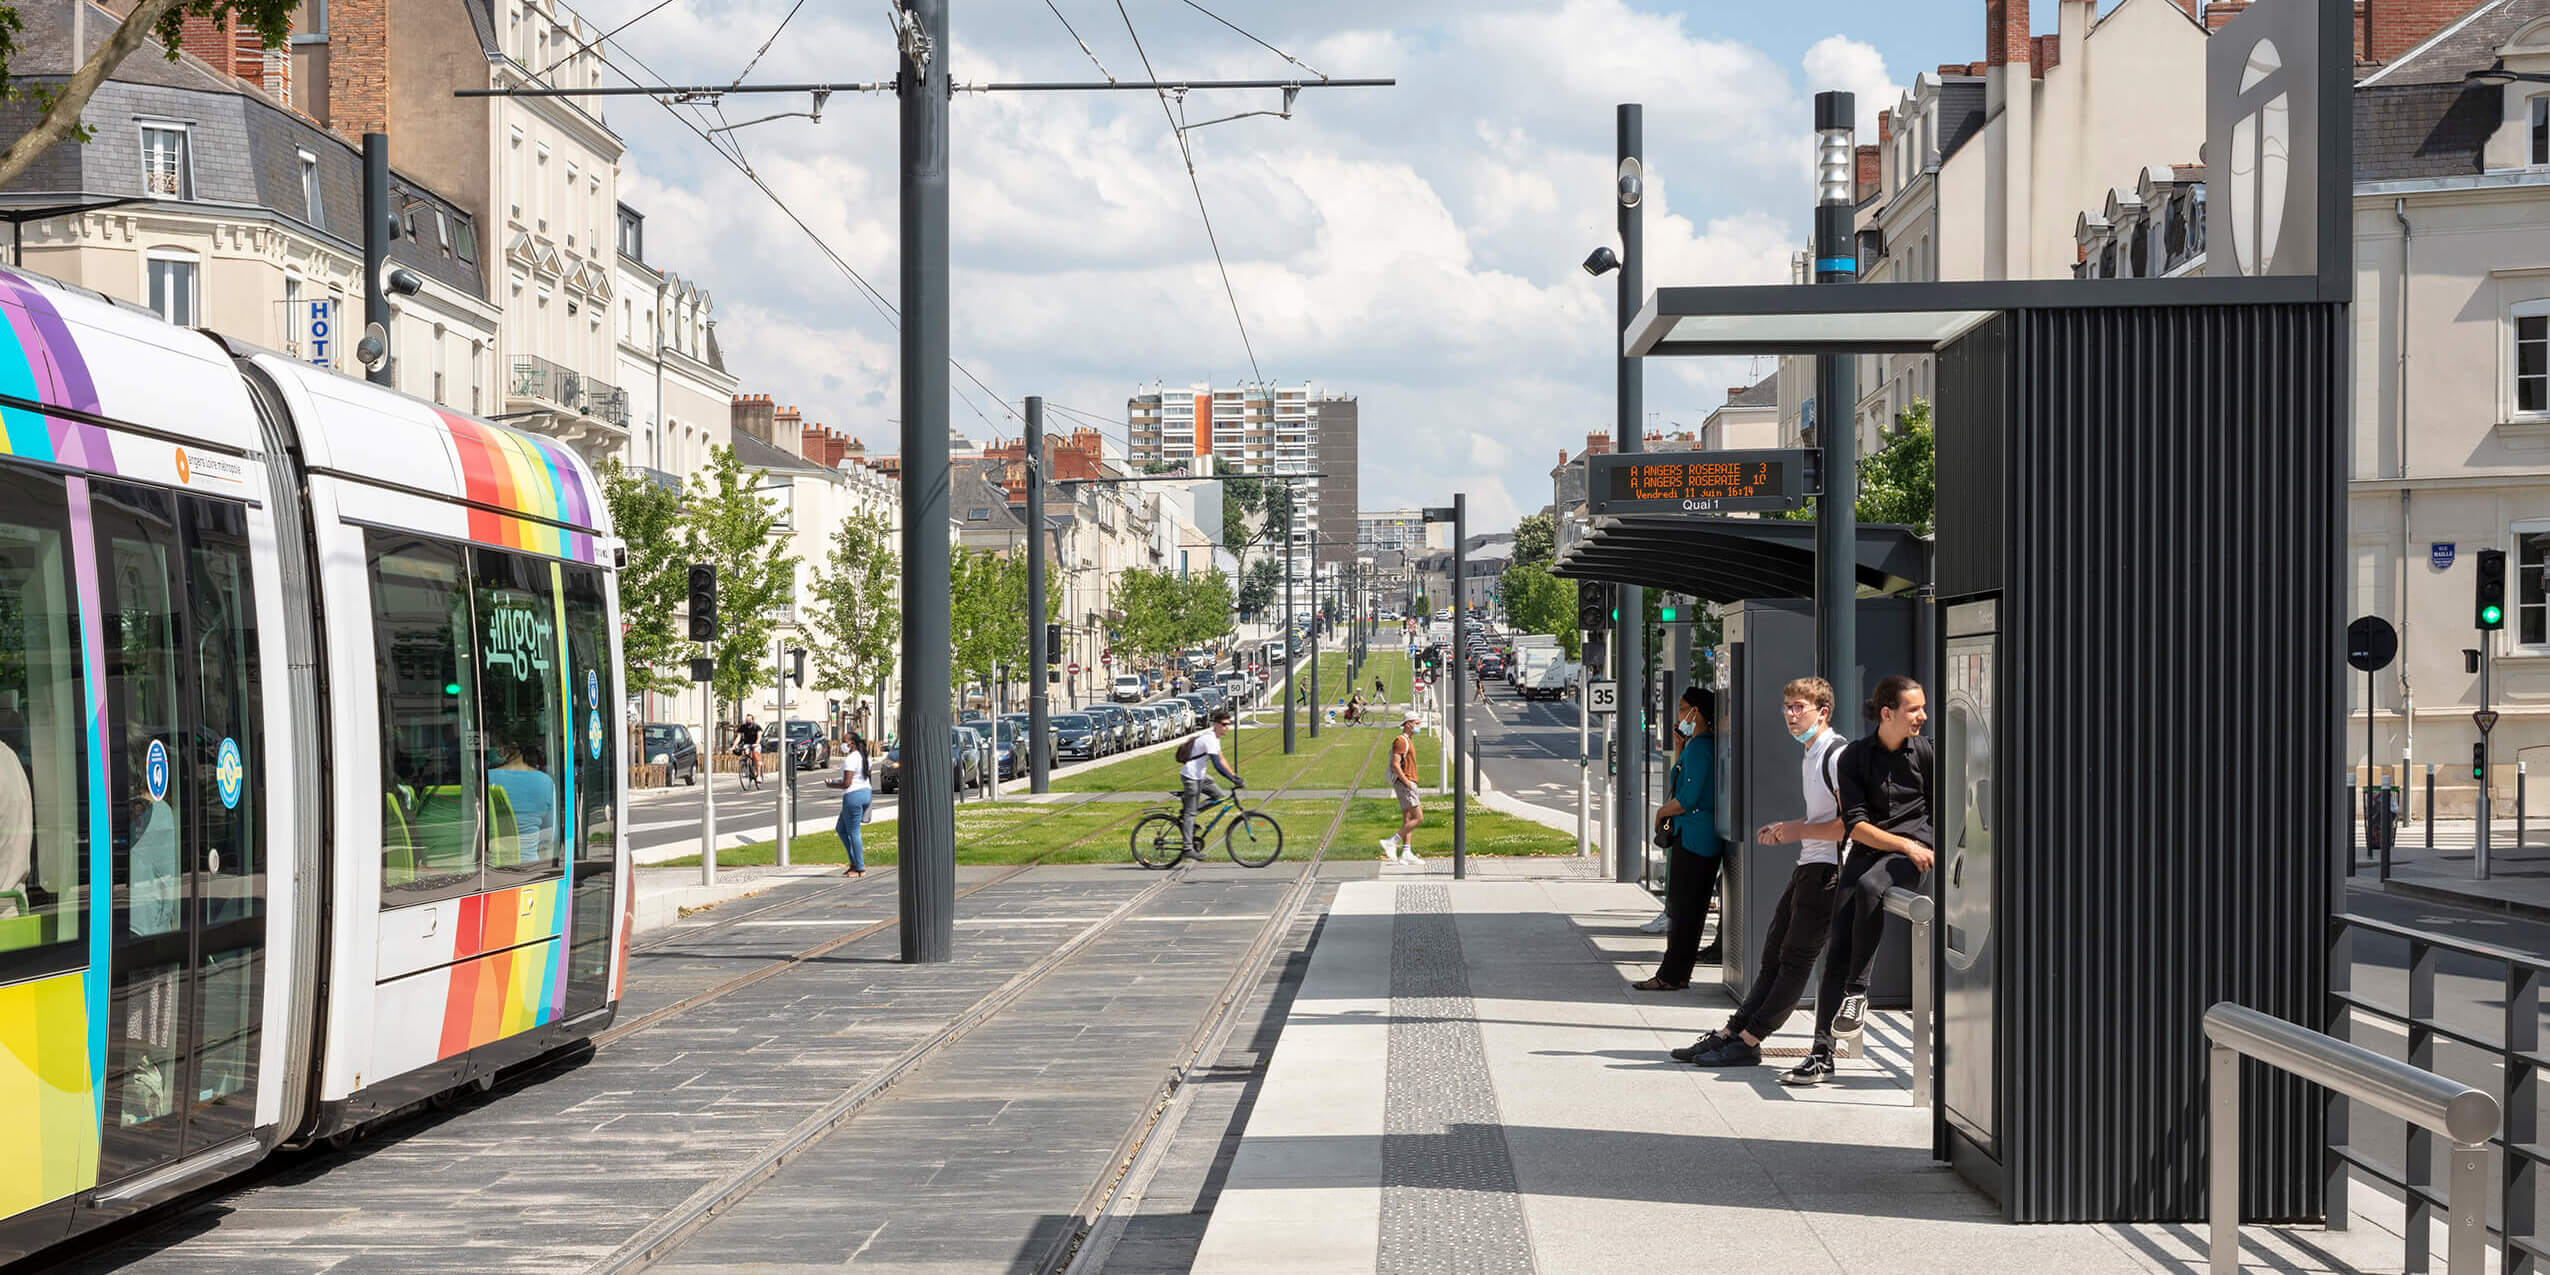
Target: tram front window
43, 755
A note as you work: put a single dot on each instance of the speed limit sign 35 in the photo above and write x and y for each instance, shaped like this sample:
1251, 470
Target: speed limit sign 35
1602, 697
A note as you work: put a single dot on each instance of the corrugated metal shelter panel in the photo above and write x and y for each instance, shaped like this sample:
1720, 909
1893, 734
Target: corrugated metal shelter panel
2171, 625
1970, 424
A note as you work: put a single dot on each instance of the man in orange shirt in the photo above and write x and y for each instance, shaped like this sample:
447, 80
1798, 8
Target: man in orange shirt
1403, 781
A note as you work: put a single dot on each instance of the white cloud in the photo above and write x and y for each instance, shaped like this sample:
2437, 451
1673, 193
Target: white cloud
1416, 246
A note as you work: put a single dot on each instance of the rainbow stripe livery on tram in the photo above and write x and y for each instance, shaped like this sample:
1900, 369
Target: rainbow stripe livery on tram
310, 756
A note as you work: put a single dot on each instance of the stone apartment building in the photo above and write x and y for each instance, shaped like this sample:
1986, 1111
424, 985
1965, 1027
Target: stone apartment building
205, 195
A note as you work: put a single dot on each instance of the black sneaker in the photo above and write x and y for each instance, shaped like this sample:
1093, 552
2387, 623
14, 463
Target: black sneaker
1710, 955
1731, 1053
1701, 1046
1817, 1069
1846, 1020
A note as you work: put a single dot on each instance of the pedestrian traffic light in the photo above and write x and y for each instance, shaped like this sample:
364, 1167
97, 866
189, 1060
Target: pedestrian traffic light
2479, 761
2492, 589
703, 602
1053, 640
796, 666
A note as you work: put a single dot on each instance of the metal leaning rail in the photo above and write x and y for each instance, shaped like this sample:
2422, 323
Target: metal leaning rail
1917, 909
2466, 1115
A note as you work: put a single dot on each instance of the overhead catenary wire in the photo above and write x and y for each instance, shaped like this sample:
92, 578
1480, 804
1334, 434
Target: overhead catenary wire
1260, 43
543, 73
1084, 44
774, 39
1188, 154
734, 157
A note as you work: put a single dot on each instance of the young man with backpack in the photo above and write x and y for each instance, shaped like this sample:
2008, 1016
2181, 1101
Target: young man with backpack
1803, 918
1198, 758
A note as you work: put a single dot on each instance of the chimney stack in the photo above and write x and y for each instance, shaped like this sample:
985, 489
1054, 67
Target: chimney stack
787, 430
2005, 32
1886, 125
752, 415
1871, 171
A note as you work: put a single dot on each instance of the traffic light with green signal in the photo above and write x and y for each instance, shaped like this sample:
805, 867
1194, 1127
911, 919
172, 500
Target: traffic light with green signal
2479, 761
2491, 610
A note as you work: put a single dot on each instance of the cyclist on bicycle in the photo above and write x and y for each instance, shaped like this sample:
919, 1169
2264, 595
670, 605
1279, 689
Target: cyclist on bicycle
748, 751
1198, 758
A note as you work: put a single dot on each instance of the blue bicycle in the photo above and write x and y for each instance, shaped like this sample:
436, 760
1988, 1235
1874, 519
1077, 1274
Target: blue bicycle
1253, 838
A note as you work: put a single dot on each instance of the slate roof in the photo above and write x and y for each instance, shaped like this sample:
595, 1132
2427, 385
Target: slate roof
2416, 118
1960, 113
1766, 394
756, 454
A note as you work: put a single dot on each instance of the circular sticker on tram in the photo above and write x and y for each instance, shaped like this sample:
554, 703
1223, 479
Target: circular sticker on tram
155, 770
230, 774
592, 690
593, 733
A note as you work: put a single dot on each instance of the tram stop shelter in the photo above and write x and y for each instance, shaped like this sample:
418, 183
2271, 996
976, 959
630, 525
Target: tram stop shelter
2137, 631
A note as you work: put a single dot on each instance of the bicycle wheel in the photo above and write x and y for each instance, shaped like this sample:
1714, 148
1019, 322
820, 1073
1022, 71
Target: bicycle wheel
1159, 841
1254, 839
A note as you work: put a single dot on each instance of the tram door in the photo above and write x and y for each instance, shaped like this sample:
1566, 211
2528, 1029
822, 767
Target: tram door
180, 681
593, 727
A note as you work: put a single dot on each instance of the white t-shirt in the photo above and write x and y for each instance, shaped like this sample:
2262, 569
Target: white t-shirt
854, 772
1823, 802
1199, 757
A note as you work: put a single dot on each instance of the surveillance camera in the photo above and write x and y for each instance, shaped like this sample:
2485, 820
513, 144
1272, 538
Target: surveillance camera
1601, 262
403, 282
374, 349
1630, 187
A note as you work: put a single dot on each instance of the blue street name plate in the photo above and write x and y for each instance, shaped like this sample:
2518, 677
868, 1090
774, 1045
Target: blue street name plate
2439, 555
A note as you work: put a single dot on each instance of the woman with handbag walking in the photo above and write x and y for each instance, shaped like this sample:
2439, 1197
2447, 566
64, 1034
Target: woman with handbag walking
1689, 820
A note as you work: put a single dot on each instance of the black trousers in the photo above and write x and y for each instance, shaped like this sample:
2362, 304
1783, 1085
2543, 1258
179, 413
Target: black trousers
1800, 925
1690, 880
1859, 920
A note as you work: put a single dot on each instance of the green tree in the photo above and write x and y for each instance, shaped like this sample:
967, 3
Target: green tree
1205, 608
58, 105
1899, 484
1535, 540
655, 586
987, 614
1259, 586
1538, 602
854, 619
729, 525
1144, 607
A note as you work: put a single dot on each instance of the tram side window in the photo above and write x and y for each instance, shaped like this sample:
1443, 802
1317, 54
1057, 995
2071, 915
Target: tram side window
595, 720
43, 750
422, 644
521, 711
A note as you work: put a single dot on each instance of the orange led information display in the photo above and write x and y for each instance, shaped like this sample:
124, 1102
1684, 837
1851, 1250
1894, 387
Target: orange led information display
1695, 482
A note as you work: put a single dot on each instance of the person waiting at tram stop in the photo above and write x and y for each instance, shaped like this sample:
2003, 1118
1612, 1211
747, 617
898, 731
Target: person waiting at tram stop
1687, 824
1885, 804
1803, 919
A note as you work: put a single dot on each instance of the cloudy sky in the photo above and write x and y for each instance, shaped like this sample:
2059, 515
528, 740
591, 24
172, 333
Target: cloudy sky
1415, 246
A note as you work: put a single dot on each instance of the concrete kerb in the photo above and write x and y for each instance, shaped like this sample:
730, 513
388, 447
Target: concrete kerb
660, 904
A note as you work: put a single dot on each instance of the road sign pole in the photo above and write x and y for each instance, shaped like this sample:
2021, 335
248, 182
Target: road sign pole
1584, 762
781, 806
2487, 723
707, 753
1628, 426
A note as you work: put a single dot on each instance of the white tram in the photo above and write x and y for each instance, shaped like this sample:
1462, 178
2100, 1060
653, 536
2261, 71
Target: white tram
310, 756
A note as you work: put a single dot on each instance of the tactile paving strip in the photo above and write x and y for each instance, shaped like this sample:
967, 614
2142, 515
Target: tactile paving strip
1448, 1197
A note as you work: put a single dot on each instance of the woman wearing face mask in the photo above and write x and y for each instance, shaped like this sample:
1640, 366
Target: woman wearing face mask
1692, 875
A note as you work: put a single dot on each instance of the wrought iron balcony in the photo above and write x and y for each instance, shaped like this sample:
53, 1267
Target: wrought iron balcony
540, 381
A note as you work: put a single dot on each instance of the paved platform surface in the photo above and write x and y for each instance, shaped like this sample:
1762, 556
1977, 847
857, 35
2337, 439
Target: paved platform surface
1465, 1082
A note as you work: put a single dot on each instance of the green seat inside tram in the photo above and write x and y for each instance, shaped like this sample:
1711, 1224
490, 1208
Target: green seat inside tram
398, 845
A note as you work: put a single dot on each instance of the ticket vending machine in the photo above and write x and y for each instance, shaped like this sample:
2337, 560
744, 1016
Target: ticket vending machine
1769, 642
1964, 719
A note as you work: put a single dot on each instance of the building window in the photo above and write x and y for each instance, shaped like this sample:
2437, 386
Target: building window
2540, 135
310, 206
438, 365
477, 375
513, 167
978, 515
167, 170
172, 288
2532, 358
2532, 585
443, 231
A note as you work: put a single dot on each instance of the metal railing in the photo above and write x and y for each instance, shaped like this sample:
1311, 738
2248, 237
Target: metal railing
539, 379
2521, 1064
1917, 909
2428, 1102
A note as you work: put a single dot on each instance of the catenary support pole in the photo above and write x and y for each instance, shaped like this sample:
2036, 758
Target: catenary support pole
378, 219
1460, 694
1836, 414
1319, 612
1629, 800
925, 879
706, 755
1039, 712
780, 802
1284, 625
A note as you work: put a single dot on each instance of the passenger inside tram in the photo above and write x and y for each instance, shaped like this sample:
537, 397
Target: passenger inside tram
523, 779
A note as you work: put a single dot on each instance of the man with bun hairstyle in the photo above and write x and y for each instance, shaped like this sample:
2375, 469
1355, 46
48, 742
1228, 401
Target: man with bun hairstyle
1803, 918
1885, 807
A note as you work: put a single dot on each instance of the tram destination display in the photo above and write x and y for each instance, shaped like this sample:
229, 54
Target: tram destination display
1695, 482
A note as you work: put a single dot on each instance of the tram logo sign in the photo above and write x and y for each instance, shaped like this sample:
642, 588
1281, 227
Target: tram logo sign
230, 774
155, 771
2262, 134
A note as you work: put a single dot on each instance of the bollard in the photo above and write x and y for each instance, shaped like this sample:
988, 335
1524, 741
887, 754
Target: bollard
2520, 835
1917, 910
2430, 814
2354, 823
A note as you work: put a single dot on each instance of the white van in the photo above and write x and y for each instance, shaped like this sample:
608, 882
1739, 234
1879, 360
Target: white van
1130, 688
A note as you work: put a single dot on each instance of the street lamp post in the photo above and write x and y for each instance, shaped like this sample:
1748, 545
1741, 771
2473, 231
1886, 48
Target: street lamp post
1836, 417
1458, 514
1039, 659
